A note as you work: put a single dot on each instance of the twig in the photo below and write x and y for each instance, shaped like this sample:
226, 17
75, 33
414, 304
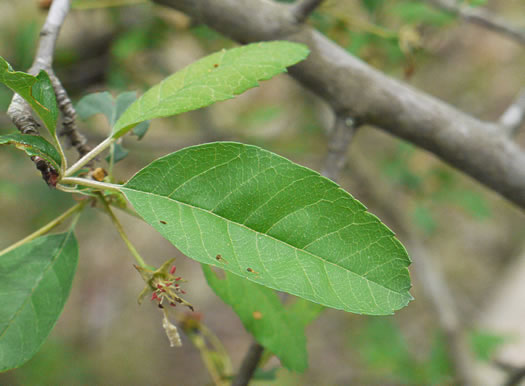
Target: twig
475, 147
69, 116
19, 110
120, 229
48, 227
340, 137
249, 365
514, 116
515, 378
303, 8
434, 284
483, 18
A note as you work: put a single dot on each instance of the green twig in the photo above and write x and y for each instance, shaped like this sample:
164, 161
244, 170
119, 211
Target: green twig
111, 161
48, 227
123, 235
89, 156
63, 166
90, 183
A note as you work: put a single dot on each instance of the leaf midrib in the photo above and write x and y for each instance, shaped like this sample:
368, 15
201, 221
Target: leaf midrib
266, 235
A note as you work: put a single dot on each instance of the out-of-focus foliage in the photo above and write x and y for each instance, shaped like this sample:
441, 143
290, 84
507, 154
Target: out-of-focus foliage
384, 350
485, 343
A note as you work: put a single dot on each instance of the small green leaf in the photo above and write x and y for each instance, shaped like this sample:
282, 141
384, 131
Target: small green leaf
122, 103
35, 280
33, 145
276, 223
216, 77
96, 103
119, 153
484, 344
37, 91
141, 129
103, 103
264, 316
372, 5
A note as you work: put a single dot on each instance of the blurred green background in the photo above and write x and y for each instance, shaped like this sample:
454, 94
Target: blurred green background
103, 336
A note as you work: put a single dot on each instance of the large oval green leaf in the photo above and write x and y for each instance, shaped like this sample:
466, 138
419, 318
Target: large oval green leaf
276, 223
35, 280
214, 78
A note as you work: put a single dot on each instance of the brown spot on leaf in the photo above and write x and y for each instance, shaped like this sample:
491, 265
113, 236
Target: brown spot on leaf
163, 222
257, 315
220, 258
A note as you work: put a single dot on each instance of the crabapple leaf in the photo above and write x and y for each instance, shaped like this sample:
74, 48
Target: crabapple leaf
276, 223
96, 103
112, 108
214, 78
36, 90
35, 280
264, 316
33, 145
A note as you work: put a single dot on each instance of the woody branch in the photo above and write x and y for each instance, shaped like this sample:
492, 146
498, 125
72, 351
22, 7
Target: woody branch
19, 110
478, 148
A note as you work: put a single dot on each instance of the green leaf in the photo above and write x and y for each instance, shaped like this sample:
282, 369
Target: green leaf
103, 103
140, 130
122, 103
484, 344
415, 13
276, 223
44, 93
305, 310
96, 103
264, 316
119, 154
36, 90
216, 77
372, 5
33, 145
35, 280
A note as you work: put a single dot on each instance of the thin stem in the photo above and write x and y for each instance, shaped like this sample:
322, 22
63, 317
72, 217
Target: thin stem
249, 365
123, 235
46, 228
63, 159
111, 161
303, 8
89, 156
90, 183
127, 210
